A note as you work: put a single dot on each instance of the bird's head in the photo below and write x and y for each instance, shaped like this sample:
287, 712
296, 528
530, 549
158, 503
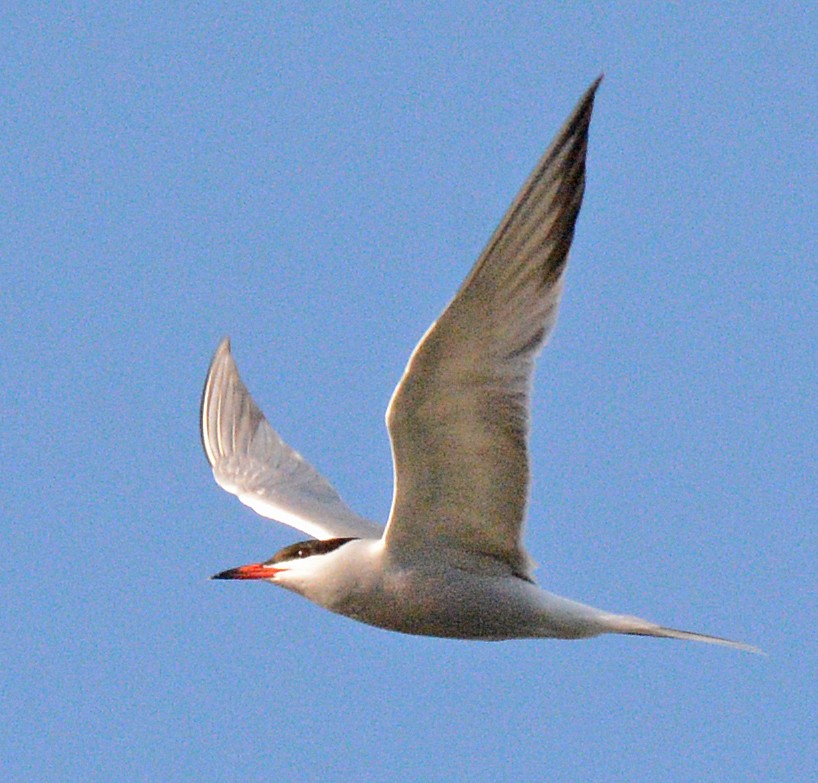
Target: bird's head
289, 566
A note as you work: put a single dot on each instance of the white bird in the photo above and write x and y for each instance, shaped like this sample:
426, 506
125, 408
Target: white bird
450, 561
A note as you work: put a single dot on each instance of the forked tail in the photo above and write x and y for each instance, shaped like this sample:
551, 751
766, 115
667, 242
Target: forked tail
635, 626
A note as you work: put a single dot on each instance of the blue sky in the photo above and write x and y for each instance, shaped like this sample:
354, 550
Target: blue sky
316, 183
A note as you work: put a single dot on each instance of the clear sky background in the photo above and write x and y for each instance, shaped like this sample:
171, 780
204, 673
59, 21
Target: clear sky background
316, 183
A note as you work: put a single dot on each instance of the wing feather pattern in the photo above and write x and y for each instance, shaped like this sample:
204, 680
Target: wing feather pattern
459, 418
251, 461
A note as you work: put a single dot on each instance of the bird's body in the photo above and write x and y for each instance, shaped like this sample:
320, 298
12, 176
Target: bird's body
427, 597
450, 561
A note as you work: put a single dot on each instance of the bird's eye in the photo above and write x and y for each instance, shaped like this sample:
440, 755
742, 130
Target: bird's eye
306, 549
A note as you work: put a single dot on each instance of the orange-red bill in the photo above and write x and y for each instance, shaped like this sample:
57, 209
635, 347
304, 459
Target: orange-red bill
252, 571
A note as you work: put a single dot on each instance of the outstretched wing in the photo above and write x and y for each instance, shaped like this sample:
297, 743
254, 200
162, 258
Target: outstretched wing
459, 418
251, 461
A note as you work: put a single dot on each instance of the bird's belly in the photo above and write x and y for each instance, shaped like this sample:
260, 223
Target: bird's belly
455, 604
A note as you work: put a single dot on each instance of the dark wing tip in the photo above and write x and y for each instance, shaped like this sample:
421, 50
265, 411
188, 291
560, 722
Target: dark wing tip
575, 128
580, 119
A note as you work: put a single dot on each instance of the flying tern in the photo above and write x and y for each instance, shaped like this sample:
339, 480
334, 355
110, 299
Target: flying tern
450, 561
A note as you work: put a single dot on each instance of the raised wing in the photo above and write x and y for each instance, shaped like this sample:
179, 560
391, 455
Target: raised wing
251, 461
459, 418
